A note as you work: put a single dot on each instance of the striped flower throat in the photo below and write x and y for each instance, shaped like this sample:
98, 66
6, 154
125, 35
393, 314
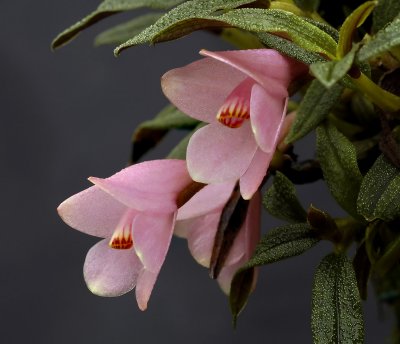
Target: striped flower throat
236, 107
122, 238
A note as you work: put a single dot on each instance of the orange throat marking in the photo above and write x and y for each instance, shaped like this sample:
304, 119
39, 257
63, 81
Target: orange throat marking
233, 114
122, 238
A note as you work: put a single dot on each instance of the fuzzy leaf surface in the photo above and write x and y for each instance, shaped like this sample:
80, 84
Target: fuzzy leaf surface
281, 200
338, 160
314, 108
384, 13
384, 40
379, 196
336, 306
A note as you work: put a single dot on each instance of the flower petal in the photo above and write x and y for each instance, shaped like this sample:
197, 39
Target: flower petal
150, 186
266, 66
210, 198
200, 88
144, 287
110, 272
253, 177
152, 236
217, 154
92, 211
267, 113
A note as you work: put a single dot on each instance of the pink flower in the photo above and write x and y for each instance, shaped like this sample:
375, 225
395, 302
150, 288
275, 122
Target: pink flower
135, 211
198, 221
242, 95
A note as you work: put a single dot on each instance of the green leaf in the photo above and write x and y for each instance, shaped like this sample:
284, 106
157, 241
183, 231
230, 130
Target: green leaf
338, 161
315, 106
384, 40
329, 73
307, 5
241, 39
350, 25
389, 259
181, 21
379, 196
278, 244
362, 268
120, 33
106, 9
289, 48
149, 133
281, 200
336, 306
186, 19
322, 223
384, 13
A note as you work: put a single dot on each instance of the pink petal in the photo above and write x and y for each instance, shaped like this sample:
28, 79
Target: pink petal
246, 241
200, 88
144, 287
150, 186
110, 272
92, 211
212, 197
217, 154
267, 113
201, 235
152, 236
266, 66
253, 177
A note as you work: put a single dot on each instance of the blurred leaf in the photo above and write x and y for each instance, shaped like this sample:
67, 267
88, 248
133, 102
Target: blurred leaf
379, 196
289, 48
307, 5
315, 106
185, 19
149, 133
384, 40
389, 258
336, 306
241, 39
181, 21
338, 161
278, 244
362, 268
106, 9
350, 25
120, 33
322, 223
384, 13
281, 200
329, 73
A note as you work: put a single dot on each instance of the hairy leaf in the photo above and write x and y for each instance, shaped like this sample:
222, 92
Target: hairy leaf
121, 33
314, 108
336, 306
278, 244
281, 200
379, 196
289, 48
106, 9
329, 73
338, 159
384, 13
181, 21
384, 40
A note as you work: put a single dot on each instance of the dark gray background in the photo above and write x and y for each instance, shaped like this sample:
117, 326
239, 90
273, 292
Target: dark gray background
69, 115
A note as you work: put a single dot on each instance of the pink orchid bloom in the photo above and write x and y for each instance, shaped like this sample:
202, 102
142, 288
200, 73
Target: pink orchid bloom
198, 220
243, 96
135, 211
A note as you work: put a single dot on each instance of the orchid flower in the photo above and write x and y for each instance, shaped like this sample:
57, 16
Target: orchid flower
243, 96
198, 221
134, 211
